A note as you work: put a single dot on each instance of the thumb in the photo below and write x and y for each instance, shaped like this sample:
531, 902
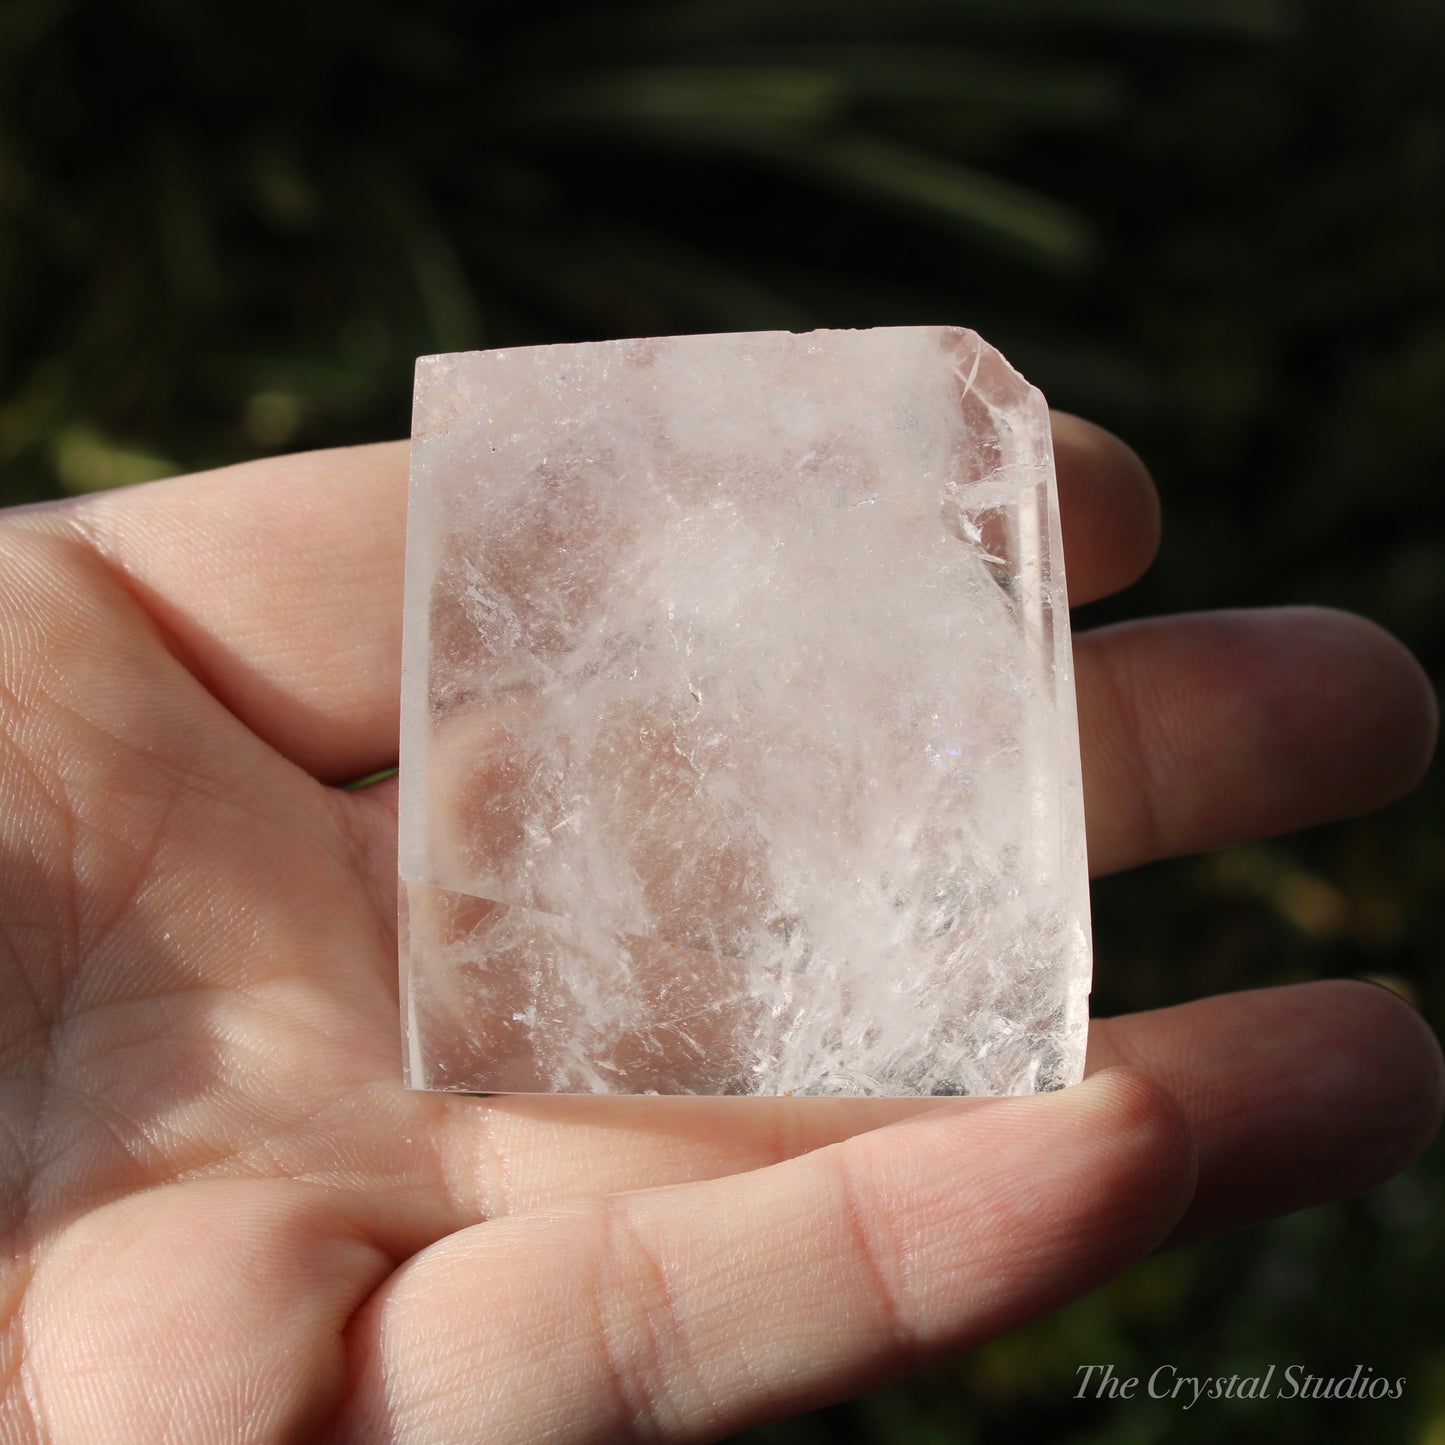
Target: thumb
692, 1311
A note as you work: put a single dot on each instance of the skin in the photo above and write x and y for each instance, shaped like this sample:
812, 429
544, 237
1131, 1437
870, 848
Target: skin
226, 1220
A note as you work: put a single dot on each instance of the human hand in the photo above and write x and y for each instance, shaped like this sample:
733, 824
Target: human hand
226, 1219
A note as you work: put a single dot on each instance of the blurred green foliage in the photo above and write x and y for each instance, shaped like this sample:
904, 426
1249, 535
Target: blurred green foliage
1216, 225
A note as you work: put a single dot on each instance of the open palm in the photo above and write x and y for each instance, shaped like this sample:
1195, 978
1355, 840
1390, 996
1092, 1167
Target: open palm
227, 1220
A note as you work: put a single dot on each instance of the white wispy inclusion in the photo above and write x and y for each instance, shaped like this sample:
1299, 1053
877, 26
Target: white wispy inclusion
739, 750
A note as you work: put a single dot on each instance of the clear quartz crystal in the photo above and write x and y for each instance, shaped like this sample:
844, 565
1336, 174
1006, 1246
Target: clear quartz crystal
739, 751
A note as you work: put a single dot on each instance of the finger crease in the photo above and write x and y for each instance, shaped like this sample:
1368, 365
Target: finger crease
648, 1394
871, 1253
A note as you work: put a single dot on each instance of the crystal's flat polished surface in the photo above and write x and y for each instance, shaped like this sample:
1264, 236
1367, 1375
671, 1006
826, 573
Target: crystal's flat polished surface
739, 753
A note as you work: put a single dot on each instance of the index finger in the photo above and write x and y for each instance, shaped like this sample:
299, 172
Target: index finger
279, 582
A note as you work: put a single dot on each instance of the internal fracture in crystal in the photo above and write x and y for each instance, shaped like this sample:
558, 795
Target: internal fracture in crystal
739, 750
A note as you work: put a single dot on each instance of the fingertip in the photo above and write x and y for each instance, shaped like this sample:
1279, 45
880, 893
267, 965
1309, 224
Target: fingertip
1000, 1209
1397, 1102
1145, 1142
1298, 1095
1109, 508
1100, 1174
1354, 674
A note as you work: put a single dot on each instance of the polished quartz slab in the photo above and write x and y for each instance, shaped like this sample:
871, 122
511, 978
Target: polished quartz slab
739, 751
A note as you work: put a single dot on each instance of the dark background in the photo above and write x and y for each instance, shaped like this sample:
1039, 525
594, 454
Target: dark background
1217, 226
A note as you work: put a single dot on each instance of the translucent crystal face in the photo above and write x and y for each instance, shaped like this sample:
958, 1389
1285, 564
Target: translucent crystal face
739, 752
